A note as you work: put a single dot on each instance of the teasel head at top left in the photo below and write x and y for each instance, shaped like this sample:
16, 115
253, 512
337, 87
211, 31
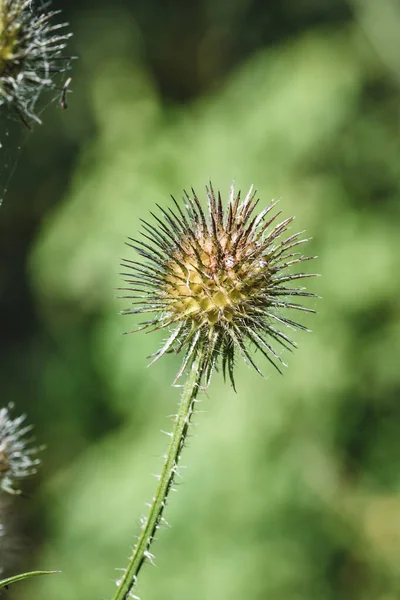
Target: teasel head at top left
32, 55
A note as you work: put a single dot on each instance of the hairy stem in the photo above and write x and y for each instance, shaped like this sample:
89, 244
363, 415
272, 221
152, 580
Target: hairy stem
141, 552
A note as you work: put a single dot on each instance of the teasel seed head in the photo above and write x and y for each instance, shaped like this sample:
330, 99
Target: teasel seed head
31, 55
219, 280
18, 459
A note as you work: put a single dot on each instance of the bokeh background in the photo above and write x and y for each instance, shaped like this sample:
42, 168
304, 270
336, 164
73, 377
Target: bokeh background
292, 485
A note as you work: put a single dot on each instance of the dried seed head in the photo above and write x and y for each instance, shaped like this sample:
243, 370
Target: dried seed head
16, 457
31, 54
217, 280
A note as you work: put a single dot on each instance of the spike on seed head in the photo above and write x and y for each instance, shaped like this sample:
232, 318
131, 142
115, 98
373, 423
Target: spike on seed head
17, 459
31, 54
218, 280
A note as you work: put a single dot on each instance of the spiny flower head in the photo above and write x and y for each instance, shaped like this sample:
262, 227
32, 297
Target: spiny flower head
218, 280
31, 49
17, 459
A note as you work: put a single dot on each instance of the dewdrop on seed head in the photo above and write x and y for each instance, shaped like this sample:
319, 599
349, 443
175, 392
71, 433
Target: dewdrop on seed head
17, 458
31, 55
219, 280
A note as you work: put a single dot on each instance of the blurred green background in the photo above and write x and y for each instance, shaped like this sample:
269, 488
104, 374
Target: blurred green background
292, 485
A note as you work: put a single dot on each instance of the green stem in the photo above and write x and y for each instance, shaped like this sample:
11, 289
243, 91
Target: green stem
141, 552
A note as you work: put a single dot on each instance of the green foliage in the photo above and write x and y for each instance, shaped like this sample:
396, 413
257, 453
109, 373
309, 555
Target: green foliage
292, 485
